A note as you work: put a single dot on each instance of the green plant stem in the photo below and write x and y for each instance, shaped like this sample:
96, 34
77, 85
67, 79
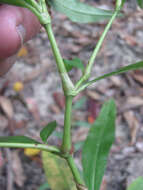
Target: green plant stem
66, 81
66, 144
74, 170
34, 4
88, 68
33, 146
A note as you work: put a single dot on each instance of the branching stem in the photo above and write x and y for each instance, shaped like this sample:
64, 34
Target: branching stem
88, 68
66, 81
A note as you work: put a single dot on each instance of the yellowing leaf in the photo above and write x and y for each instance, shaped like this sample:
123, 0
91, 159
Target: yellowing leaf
31, 152
58, 173
18, 86
22, 52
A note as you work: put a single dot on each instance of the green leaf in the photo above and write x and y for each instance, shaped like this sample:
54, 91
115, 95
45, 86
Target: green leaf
137, 184
20, 3
131, 67
18, 139
80, 12
44, 186
123, 1
58, 173
47, 131
78, 145
76, 62
140, 3
97, 146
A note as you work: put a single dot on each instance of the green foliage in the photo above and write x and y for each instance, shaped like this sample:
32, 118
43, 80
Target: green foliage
18, 139
135, 66
59, 166
20, 3
140, 3
47, 131
44, 186
131, 67
97, 146
76, 62
137, 184
58, 173
80, 12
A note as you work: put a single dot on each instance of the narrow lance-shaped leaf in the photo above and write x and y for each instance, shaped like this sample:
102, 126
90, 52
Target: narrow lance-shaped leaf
44, 186
97, 146
122, 70
18, 139
58, 173
80, 12
140, 3
137, 184
20, 3
47, 131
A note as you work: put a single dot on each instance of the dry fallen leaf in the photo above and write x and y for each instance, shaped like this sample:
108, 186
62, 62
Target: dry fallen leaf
135, 101
93, 94
6, 106
80, 135
33, 108
133, 125
17, 169
3, 122
59, 99
93, 109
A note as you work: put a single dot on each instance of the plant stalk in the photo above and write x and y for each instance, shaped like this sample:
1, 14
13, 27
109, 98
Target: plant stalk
88, 68
66, 144
75, 171
33, 146
66, 81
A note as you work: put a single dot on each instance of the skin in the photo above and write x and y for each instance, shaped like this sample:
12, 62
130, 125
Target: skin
17, 25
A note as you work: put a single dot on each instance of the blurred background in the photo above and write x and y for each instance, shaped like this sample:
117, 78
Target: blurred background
31, 96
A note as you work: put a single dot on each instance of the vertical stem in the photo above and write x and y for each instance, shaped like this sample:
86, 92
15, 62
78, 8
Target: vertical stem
66, 81
100, 42
66, 144
56, 52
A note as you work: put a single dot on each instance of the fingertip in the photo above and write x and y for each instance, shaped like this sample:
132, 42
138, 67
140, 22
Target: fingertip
17, 26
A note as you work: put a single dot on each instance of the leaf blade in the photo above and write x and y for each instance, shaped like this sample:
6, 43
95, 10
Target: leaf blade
80, 12
94, 159
57, 172
137, 184
47, 131
20, 3
18, 139
122, 70
76, 62
140, 3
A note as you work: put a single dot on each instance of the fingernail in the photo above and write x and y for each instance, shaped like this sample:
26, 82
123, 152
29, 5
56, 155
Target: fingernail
21, 32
